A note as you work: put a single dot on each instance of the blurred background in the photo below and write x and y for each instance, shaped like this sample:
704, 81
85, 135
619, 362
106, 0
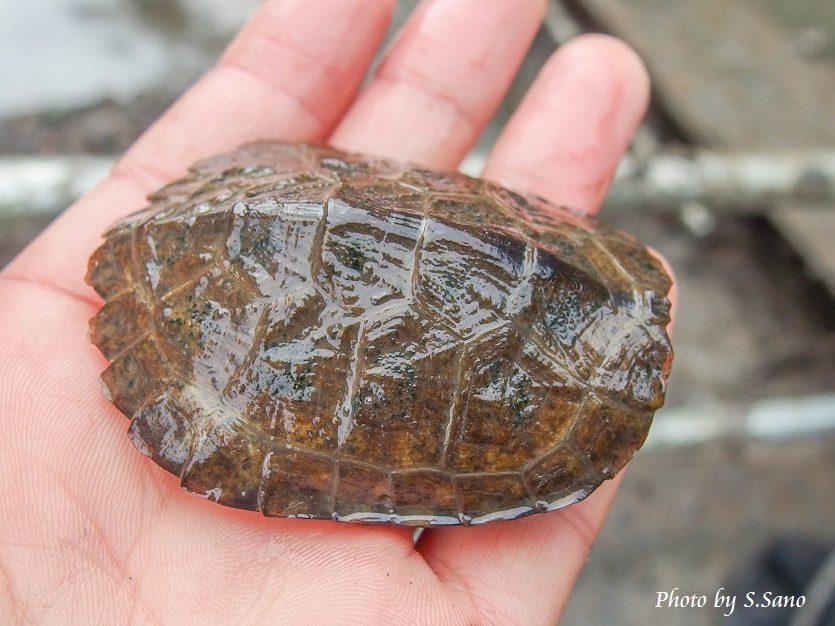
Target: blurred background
731, 177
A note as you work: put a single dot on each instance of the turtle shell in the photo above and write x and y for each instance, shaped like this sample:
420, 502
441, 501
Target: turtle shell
310, 333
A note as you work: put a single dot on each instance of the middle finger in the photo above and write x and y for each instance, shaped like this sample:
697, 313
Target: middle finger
441, 81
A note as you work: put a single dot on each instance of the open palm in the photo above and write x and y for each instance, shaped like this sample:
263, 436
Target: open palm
93, 532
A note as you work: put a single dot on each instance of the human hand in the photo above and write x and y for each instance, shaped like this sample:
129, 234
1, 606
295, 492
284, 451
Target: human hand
93, 532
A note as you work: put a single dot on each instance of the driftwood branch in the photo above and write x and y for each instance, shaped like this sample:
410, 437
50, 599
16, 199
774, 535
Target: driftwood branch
774, 419
727, 182
42, 186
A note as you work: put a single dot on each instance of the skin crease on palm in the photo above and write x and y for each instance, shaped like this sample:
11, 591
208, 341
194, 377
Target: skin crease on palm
93, 532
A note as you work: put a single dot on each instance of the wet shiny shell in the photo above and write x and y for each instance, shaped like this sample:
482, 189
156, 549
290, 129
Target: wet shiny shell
310, 333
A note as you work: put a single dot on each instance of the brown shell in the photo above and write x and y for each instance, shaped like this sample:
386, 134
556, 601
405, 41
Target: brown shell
310, 333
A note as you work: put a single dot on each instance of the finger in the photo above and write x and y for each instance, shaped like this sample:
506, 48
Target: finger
289, 74
441, 81
563, 144
566, 138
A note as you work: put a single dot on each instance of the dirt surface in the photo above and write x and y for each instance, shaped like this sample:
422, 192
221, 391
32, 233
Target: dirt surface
694, 519
107, 127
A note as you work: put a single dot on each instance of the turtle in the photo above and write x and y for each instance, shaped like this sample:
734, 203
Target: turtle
310, 333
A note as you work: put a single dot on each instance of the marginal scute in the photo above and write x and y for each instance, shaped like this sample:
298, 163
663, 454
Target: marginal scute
310, 333
417, 491
226, 466
362, 489
486, 493
620, 433
109, 268
123, 320
136, 376
163, 431
297, 484
555, 474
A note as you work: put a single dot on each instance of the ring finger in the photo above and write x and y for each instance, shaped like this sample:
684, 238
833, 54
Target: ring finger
441, 81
